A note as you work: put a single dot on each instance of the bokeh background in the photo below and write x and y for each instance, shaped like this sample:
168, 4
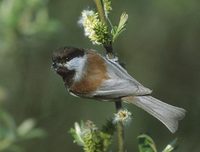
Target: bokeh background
161, 49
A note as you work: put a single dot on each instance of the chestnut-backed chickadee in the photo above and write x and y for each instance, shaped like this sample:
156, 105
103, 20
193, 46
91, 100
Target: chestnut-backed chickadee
88, 74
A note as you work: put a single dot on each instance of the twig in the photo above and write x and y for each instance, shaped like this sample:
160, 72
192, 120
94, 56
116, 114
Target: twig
109, 51
100, 9
120, 129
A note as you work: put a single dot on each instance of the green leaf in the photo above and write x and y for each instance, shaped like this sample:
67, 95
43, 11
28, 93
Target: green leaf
76, 133
7, 127
34, 133
107, 6
92, 139
109, 127
27, 130
116, 31
146, 144
25, 127
171, 146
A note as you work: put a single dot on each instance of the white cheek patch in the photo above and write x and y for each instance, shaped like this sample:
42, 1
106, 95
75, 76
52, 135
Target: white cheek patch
77, 64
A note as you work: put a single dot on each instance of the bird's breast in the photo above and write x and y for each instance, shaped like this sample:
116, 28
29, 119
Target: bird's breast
94, 75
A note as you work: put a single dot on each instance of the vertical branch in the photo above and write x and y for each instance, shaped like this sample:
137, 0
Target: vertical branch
109, 51
101, 12
120, 129
100, 9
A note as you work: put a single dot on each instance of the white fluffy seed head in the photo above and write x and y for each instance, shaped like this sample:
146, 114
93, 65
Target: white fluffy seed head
88, 20
123, 115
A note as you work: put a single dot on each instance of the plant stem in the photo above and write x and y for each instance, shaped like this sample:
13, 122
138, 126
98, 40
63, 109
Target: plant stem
100, 9
120, 129
101, 12
109, 51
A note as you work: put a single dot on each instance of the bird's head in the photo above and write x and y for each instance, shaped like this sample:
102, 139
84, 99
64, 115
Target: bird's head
69, 62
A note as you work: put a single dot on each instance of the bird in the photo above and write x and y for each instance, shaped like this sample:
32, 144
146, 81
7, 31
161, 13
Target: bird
89, 74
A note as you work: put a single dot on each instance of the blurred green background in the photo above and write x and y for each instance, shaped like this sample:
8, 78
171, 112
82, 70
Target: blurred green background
161, 49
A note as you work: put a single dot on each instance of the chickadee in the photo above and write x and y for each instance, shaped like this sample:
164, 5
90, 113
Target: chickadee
88, 74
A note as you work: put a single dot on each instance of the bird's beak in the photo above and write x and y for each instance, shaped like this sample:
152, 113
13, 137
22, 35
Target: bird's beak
54, 65
59, 68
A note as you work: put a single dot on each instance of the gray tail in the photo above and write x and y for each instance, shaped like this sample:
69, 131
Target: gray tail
169, 115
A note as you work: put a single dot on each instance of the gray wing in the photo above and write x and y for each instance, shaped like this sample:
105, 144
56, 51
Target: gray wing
120, 83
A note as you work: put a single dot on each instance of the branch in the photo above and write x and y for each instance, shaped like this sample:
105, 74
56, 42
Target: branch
109, 51
101, 11
120, 129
